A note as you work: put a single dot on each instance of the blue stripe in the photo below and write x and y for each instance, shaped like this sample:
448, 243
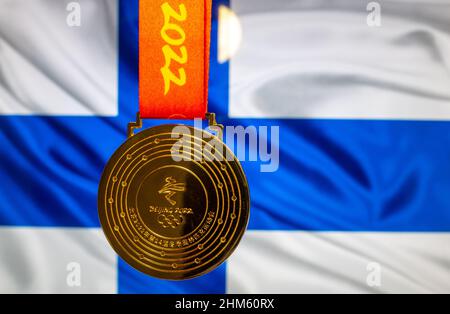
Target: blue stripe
132, 281
354, 176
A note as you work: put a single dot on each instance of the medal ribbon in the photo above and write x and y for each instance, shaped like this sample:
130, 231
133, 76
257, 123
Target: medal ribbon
174, 42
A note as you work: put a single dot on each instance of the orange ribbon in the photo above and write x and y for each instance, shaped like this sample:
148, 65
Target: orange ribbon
174, 43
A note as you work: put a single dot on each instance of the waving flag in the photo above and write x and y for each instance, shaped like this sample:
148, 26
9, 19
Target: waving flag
360, 92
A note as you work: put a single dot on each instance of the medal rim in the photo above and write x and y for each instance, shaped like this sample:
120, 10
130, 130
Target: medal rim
243, 184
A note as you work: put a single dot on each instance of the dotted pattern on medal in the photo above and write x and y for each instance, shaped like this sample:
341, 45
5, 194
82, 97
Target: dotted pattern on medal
228, 219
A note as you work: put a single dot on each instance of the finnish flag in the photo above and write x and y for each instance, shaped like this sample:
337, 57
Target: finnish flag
360, 91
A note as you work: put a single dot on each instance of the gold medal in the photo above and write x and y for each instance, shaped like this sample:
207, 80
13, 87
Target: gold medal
173, 200
171, 218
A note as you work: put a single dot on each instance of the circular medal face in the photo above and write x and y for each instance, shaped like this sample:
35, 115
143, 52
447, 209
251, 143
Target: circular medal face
173, 205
